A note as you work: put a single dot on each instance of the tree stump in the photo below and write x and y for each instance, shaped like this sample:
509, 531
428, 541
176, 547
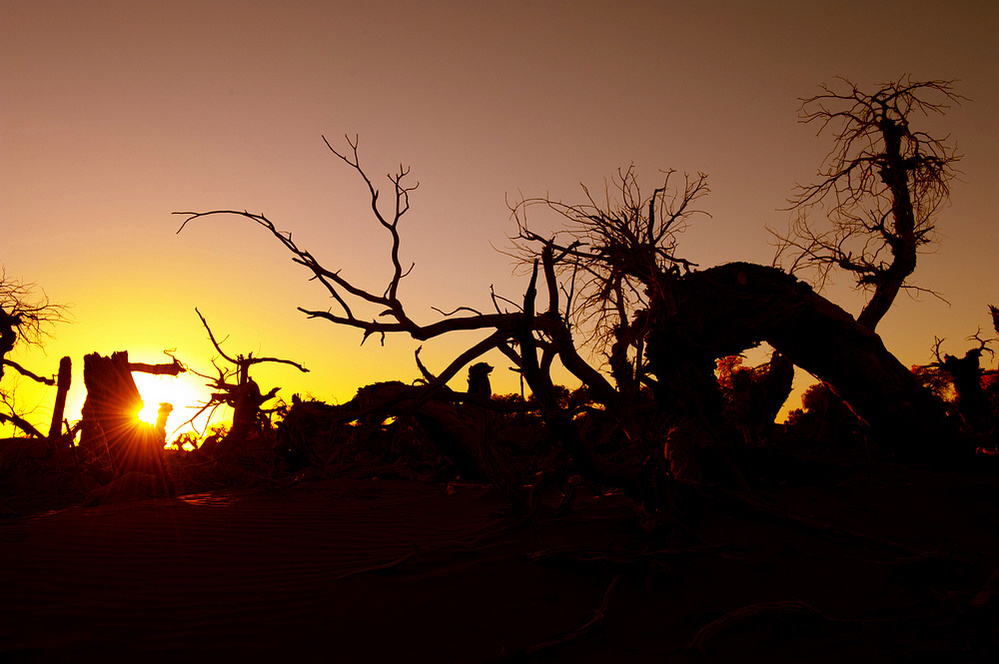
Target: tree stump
63, 383
110, 427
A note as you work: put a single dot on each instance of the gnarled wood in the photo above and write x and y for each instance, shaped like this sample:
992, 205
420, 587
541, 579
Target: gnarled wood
727, 309
110, 425
63, 383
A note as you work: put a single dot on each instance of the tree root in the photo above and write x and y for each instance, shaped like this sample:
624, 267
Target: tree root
382, 566
781, 516
717, 628
570, 635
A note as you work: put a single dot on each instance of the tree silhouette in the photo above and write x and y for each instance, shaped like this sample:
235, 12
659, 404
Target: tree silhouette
613, 257
243, 395
26, 316
660, 323
883, 182
531, 339
973, 389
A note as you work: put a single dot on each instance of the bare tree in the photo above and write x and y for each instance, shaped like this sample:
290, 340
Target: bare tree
393, 317
883, 182
974, 388
531, 339
616, 257
26, 316
243, 395
659, 322
677, 320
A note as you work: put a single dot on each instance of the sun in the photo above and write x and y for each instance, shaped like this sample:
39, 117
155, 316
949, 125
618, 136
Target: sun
179, 391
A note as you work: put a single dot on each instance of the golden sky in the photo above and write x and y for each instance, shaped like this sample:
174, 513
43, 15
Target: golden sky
113, 115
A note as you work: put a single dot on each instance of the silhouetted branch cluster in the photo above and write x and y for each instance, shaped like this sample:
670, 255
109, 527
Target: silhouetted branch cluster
614, 257
883, 183
611, 281
26, 315
965, 383
532, 337
243, 395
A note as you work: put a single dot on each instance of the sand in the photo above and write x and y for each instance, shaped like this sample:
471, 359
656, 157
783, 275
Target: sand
880, 563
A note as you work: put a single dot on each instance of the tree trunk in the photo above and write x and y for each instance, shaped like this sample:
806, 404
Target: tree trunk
966, 372
62, 387
727, 309
8, 335
110, 423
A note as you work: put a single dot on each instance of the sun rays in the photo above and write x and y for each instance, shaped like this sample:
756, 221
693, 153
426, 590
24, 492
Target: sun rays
182, 392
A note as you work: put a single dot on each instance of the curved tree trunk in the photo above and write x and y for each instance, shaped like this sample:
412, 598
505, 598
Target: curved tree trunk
729, 308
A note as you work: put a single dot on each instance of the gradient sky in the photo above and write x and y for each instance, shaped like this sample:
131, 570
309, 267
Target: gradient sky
113, 115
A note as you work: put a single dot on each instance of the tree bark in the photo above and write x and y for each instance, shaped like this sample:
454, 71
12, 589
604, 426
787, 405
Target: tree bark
966, 372
110, 421
63, 383
8, 335
727, 309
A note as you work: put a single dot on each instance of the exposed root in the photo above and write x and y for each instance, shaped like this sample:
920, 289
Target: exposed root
565, 637
382, 566
717, 628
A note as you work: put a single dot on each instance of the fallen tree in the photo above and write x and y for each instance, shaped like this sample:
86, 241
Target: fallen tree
728, 309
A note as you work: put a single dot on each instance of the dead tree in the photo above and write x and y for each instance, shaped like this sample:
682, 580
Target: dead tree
63, 381
884, 181
689, 318
25, 318
612, 257
666, 323
532, 340
478, 381
243, 395
978, 406
727, 309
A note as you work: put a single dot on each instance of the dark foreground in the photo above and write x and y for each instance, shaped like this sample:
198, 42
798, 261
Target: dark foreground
821, 562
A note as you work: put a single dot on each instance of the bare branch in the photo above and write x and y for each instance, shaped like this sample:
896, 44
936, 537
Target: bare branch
211, 336
172, 369
21, 424
613, 256
427, 376
239, 360
883, 182
28, 374
26, 311
456, 310
338, 287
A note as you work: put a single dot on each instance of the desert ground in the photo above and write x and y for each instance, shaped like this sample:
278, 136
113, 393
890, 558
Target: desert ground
822, 559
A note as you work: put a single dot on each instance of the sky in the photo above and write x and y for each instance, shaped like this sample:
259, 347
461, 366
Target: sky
115, 115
